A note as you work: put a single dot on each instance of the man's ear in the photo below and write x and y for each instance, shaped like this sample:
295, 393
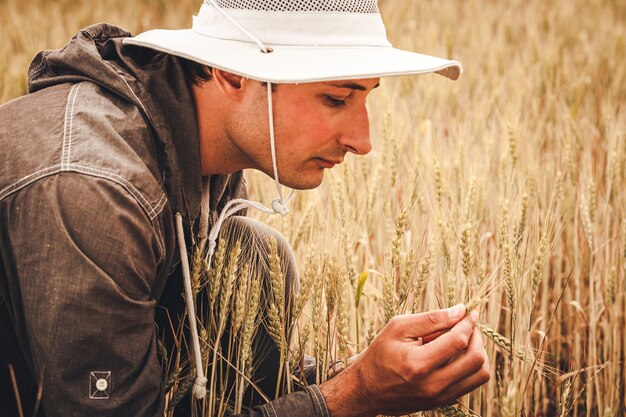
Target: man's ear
229, 84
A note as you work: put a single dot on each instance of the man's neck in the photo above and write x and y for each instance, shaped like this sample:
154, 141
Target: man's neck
217, 153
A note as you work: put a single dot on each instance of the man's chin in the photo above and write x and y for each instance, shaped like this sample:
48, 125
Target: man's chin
303, 183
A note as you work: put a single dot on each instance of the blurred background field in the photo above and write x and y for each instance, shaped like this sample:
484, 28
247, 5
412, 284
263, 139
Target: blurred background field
506, 188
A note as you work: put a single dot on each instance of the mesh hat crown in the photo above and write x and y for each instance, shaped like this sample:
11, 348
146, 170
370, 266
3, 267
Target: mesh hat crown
350, 6
294, 41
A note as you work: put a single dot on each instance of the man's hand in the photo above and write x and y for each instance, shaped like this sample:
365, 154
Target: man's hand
413, 364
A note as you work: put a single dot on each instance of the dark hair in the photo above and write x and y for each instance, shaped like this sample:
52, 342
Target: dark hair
195, 72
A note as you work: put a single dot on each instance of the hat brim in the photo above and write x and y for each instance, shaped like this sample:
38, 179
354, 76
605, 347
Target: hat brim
294, 64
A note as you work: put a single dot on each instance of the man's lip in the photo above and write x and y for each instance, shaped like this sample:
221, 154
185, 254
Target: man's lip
329, 163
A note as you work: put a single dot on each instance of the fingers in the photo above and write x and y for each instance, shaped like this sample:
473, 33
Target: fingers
466, 385
423, 324
431, 337
449, 345
467, 363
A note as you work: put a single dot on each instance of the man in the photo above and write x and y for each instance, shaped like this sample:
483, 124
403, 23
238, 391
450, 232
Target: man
128, 147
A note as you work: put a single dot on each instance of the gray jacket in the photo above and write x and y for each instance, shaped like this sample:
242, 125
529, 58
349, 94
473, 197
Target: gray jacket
94, 162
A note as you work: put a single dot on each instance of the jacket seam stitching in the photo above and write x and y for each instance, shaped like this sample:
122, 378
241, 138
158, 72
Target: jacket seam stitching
323, 405
66, 152
145, 204
43, 173
134, 95
316, 394
317, 401
160, 238
28, 179
67, 129
65, 124
151, 211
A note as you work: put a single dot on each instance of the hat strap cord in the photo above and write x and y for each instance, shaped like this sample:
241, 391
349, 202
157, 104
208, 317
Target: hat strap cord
256, 40
279, 206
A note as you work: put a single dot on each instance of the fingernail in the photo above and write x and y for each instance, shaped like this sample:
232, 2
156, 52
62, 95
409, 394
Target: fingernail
457, 310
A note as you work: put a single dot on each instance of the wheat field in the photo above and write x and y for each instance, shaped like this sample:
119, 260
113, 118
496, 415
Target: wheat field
504, 190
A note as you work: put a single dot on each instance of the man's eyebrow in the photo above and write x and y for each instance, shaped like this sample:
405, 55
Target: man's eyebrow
354, 86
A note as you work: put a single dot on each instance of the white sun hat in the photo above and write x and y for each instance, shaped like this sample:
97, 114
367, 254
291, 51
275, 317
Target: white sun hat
293, 41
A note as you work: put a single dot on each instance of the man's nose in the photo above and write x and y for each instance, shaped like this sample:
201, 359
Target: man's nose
356, 137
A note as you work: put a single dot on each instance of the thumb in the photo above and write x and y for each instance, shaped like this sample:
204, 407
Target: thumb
427, 323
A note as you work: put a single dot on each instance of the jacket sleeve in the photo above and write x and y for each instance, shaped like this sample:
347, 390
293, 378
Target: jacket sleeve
84, 256
307, 403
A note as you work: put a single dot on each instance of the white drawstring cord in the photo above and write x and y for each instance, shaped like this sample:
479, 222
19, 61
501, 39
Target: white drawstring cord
270, 111
241, 28
279, 206
199, 386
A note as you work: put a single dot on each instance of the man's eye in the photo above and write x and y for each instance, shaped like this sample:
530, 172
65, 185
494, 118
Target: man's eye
335, 102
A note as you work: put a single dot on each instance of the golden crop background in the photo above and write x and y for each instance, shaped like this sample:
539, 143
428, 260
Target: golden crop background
505, 187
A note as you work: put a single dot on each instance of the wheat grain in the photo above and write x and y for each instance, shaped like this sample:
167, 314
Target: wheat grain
451, 288
392, 147
422, 277
332, 284
512, 145
611, 288
389, 297
214, 274
402, 225
307, 282
444, 245
241, 297
509, 284
374, 186
558, 188
506, 344
470, 201
438, 183
521, 225
342, 321
466, 249
406, 277
593, 190
197, 268
228, 283
613, 174
538, 264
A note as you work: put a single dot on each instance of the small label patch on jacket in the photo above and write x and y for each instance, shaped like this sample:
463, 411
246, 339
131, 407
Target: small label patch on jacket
99, 385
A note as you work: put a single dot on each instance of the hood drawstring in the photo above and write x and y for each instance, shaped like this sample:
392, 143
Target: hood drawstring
199, 386
279, 206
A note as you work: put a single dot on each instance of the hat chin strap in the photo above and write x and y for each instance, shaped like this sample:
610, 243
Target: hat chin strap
279, 206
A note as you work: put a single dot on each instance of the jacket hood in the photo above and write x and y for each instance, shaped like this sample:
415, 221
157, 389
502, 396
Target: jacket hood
153, 81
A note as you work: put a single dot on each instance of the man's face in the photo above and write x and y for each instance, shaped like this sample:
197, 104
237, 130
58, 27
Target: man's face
315, 125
